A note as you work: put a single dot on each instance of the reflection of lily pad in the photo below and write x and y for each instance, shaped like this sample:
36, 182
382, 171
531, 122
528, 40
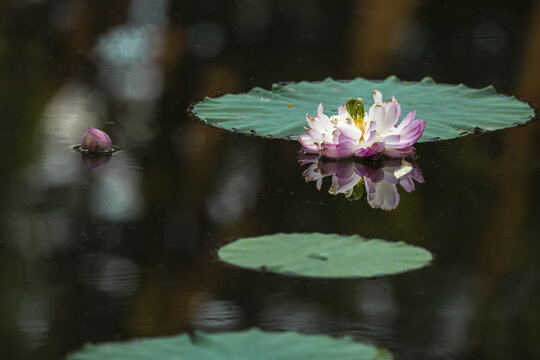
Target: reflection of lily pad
449, 111
252, 344
324, 255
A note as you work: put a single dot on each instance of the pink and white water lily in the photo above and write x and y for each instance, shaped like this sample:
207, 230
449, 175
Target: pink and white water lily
355, 133
351, 177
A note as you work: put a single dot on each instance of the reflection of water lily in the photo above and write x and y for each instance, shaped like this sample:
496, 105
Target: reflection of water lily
351, 177
95, 140
355, 133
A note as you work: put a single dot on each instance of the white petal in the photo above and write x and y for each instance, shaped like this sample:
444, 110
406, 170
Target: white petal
342, 111
377, 97
390, 117
324, 120
316, 123
350, 131
376, 113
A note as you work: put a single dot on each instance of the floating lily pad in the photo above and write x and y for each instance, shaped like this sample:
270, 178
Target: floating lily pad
246, 345
449, 111
324, 255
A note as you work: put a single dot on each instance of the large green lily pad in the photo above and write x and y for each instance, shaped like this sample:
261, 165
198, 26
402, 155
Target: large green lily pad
449, 111
246, 345
324, 255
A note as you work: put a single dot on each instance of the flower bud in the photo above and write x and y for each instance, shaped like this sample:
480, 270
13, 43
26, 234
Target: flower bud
95, 140
355, 108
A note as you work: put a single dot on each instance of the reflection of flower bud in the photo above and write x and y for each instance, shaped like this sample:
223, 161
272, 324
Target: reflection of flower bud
94, 161
95, 140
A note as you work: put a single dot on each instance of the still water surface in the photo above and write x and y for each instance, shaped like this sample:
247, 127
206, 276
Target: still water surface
128, 249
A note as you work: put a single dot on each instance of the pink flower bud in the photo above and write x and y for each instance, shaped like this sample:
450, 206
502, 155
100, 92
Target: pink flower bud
95, 140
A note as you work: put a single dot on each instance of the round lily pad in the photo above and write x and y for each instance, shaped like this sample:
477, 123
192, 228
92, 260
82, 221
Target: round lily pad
324, 255
245, 345
449, 111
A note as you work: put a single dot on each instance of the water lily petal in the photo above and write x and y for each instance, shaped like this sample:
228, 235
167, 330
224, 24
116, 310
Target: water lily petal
314, 133
375, 148
390, 117
406, 120
412, 133
314, 123
376, 113
342, 111
308, 144
377, 97
369, 137
400, 152
392, 140
350, 131
324, 120
398, 106
340, 151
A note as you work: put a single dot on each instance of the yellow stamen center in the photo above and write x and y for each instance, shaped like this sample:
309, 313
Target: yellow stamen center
360, 123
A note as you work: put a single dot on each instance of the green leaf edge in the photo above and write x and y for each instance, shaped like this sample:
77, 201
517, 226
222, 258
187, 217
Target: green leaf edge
426, 80
263, 269
85, 352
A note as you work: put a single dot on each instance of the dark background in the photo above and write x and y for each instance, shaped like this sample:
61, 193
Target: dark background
128, 250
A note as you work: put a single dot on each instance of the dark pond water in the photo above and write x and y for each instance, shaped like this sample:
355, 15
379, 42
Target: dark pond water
129, 249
